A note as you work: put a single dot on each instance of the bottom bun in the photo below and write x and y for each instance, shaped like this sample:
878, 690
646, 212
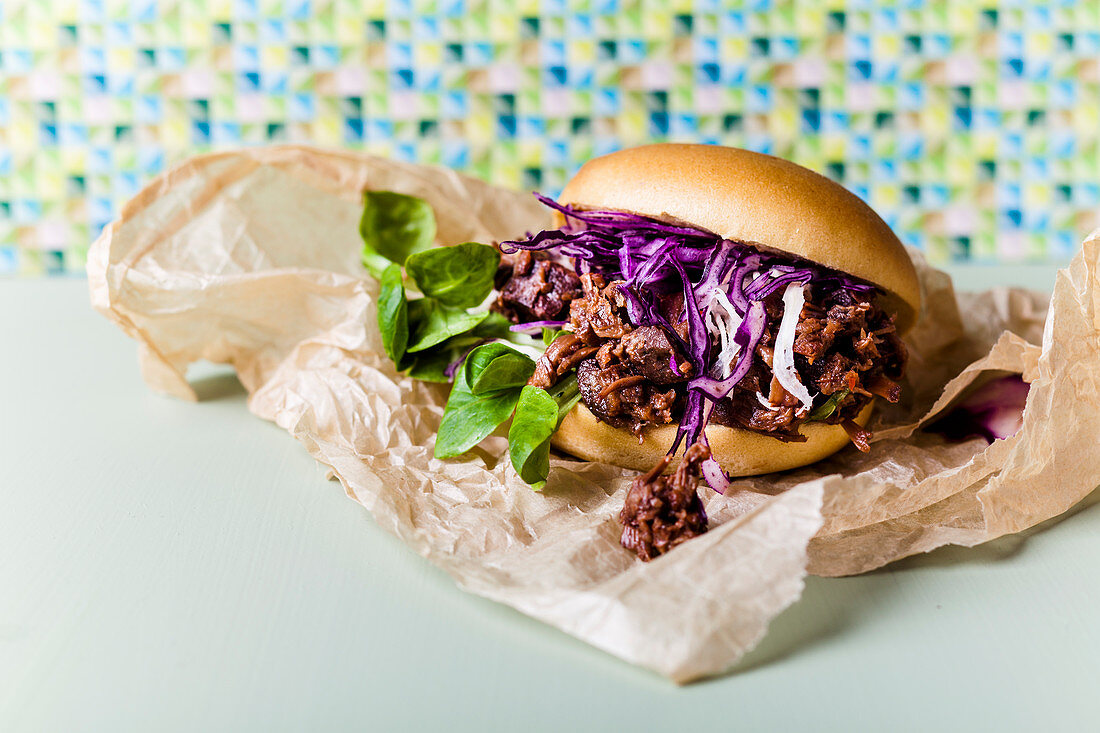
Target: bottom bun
740, 452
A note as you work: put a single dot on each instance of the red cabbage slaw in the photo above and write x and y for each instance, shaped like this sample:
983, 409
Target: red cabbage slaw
655, 258
535, 326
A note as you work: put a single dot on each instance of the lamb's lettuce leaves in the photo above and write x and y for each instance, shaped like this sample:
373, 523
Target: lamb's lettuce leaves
460, 276
394, 226
470, 416
539, 412
433, 323
436, 338
393, 314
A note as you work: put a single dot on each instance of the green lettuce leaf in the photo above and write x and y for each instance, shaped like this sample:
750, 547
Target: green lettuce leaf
539, 412
458, 277
497, 366
394, 226
433, 323
469, 418
393, 314
535, 421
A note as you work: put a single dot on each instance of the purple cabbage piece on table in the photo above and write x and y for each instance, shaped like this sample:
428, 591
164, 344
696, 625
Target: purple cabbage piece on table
994, 411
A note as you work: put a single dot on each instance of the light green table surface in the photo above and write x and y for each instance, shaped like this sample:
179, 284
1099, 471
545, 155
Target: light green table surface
169, 566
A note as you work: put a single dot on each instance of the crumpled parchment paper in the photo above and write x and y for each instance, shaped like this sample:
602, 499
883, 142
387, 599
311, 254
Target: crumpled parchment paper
251, 258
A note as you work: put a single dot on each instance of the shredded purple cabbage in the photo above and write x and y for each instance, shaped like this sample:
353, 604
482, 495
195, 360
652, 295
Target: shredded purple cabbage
535, 325
994, 411
450, 369
656, 258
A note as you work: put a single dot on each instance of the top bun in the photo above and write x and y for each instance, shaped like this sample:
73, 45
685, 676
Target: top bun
757, 199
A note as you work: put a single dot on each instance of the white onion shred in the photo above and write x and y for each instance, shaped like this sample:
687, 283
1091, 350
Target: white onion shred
722, 321
794, 298
765, 401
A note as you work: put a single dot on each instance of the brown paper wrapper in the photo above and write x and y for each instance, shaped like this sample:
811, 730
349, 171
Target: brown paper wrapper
252, 259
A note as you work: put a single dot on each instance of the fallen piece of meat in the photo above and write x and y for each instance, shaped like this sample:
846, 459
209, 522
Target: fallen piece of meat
662, 512
536, 290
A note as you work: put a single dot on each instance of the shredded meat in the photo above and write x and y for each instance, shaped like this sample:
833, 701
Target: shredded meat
859, 437
814, 335
743, 410
662, 512
780, 420
866, 350
622, 399
853, 316
627, 376
535, 289
562, 355
843, 347
831, 374
621, 383
650, 353
884, 387
601, 312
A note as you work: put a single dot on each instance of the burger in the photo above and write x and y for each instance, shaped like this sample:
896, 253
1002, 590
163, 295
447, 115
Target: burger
724, 313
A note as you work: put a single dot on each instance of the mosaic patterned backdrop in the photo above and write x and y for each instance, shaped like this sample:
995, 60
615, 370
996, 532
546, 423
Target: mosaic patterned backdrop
972, 127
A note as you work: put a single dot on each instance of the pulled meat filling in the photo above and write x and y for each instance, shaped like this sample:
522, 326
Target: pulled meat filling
623, 399
626, 375
560, 357
601, 312
662, 512
651, 354
842, 345
533, 288
846, 350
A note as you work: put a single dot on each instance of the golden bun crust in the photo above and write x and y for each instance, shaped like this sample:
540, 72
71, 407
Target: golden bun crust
740, 452
757, 199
